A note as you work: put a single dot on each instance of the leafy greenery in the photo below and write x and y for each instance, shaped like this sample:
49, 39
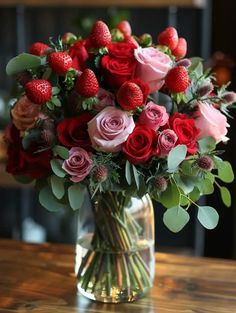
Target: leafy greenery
175, 157
175, 218
208, 216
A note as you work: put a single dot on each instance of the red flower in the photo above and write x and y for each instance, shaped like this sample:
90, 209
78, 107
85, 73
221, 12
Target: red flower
185, 129
21, 162
119, 64
72, 132
141, 145
79, 55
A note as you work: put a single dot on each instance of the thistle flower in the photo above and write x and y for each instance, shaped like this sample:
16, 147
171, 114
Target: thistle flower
205, 163
160, 183
100, 174
205, 89
184, 62
229, 97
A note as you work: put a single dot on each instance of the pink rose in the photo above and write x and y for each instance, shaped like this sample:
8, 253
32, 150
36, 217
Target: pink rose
153, 116
79, 164
110, 128
106, 99
166, 141
211, 122
153, 65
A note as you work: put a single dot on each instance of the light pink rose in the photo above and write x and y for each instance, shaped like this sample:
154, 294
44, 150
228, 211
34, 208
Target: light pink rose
106, 99
153, 65
166, 141
79, 164
110, 128
153, 116
211, 122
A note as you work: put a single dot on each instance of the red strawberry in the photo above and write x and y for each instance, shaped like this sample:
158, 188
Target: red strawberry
130, 96
60, 62
177, 79
38, 91
38, 48
124, 27
100, 35
169, 38
181, 49
87, 84
131, 39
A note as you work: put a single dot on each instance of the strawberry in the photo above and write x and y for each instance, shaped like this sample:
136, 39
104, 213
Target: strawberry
177, 79
131, 39
169, 38
181, 49
60, 62
87, 84
130, 96
38, 91
100, 35
124, 27
38, 48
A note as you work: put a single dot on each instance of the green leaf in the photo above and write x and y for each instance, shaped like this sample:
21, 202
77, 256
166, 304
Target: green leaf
225, 196
205, 186
50, 105
207, 144
56, 101
225, 172
195, 194
170, 197
76, 195
61, 151
56, 166
48, 201
175, 218
175, 157
136, 176
22, 62
23, 179
55, 91
186, 183
128, 172
208, 216
57, 185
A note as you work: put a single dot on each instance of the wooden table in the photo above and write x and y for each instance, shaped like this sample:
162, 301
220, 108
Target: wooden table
40, 279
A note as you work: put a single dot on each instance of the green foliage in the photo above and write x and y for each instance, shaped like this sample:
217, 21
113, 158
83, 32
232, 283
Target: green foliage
225, 172
175, 157
57, 185
49, 201
225, 196
55, 91
208, 217
88, 103
128, 172
76, 194
23, 179
175, 218
170, 197
23, 62
136, 176
61, 151
207, 144
56, 166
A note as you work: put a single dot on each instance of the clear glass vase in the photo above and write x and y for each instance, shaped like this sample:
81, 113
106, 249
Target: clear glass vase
115, 247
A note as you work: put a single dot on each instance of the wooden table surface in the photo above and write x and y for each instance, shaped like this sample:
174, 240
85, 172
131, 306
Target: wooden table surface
40, 279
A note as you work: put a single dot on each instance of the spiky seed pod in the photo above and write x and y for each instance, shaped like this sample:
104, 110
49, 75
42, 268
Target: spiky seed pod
205, 163
100, 174
229, 97
160, 183
205, 89
184, 62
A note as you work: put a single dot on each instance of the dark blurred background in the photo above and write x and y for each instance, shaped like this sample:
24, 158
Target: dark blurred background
209, 29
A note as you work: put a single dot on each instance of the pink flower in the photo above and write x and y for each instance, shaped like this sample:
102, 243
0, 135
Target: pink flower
166, 141
106, 99
153, 65
211, 122
110, 128
153, 116
79, 164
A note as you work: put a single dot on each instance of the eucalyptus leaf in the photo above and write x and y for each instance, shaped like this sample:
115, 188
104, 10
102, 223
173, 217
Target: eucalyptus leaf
175, 157
22, 62
207, 144
208, 216
136, 176
56, 101
57, 185
225, 172
175, 218
61, 151
48, 201
55, 90
76, 195
225, 196
205, 186
128, 172
170, 197
56, 166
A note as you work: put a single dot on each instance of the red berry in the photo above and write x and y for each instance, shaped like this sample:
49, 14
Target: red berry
60, 62
181, 49
131, 39
100, 35
87, 84
169, 38
38, 91
177, 79
124, 27
38, 48
130, 96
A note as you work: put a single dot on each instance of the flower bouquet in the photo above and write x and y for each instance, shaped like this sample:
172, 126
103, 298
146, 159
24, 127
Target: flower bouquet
104, 121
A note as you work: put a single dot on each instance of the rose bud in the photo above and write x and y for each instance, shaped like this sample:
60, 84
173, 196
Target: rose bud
100, 174
160, 183
184, 62
205, 89
205, 163
229, 97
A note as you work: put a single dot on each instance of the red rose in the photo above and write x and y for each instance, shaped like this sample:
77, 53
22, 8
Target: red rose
185, 129
72, 132
141, 145
119, 64
21, 162
79, 55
